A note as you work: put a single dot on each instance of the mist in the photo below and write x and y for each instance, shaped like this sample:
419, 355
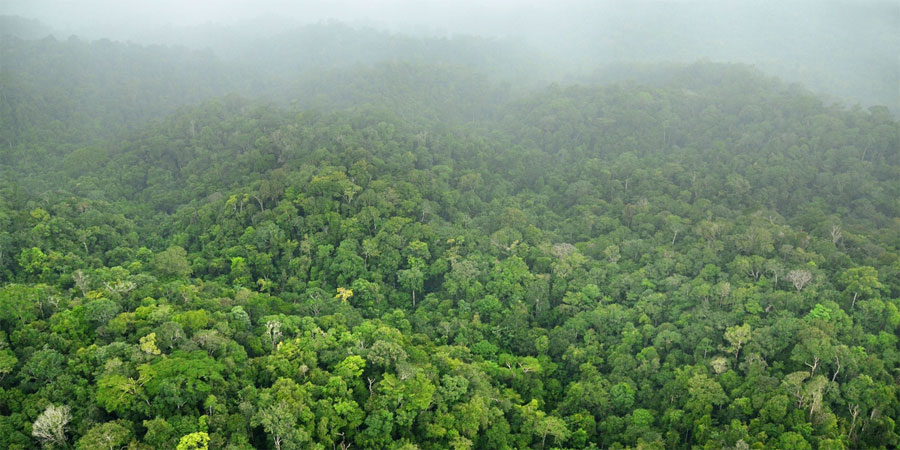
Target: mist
845, 50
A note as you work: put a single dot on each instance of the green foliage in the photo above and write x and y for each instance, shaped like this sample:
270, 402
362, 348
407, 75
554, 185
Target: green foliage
172, 263
182, 380
860, 281
106, 436
710, 262
194, 441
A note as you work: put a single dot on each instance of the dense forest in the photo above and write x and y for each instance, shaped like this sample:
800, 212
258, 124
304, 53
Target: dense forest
414, 253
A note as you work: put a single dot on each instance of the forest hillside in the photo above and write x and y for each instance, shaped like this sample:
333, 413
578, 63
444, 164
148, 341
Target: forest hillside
420, 254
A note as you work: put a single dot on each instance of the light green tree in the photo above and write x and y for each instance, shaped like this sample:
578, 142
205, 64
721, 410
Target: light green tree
194, 441
860, 281
737, 336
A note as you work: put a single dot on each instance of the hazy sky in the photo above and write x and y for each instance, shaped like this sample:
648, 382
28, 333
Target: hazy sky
824, 43
485, 17
73, 14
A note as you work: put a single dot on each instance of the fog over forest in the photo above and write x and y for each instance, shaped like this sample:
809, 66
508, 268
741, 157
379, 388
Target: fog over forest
844, 49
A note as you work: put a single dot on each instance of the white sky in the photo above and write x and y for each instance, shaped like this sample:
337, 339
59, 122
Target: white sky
74, 13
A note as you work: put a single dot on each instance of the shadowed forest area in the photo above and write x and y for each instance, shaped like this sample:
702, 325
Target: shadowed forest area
265, 235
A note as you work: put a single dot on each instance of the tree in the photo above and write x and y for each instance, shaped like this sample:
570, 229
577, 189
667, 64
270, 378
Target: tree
792, 441
169, 335
101, 311
344, 294
35, 262
346, 265
273, 332
18, 304
369, 249
44, 366
737, 336
148, 344
811, 347
800, 278
172, 263
552, 426
676, 225
406, 396
8, 362
50, 427
336, 411
510, 276
861, 280
194, 441
622, 397
181, 380
413, 278
541, 424
160, 433
283, 413
106, 436
703, 394
120, 394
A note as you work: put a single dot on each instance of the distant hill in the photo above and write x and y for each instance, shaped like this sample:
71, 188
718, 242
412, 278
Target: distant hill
23, 28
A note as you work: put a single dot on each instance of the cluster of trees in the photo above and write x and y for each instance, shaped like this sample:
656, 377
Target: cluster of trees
60, 97
710, 262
